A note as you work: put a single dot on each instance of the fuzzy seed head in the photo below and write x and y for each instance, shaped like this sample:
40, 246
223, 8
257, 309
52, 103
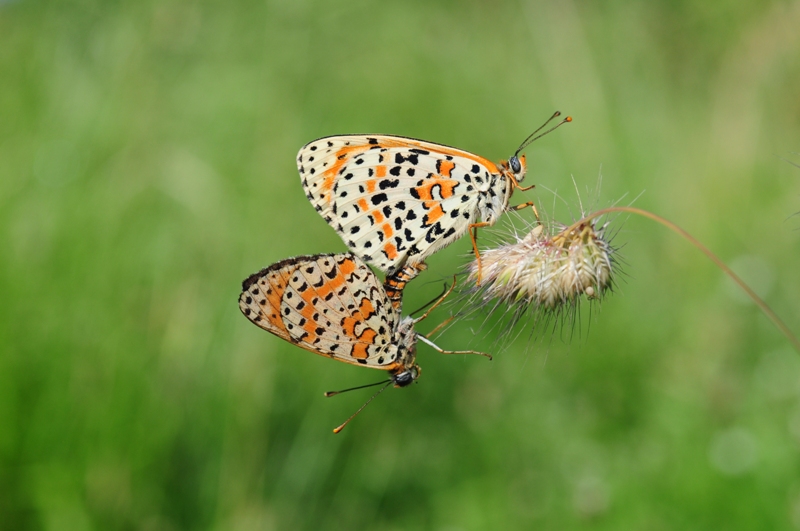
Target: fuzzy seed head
546, 271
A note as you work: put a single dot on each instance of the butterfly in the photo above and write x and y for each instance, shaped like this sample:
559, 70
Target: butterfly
395, 200
334, 305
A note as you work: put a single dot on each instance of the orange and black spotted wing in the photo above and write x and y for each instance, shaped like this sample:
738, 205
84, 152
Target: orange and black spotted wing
330, 304
394, 200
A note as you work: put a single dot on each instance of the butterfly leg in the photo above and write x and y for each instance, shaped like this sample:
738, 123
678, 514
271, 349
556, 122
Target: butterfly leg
437, 303
442, 351
473, 234
442, 325
526, 205
395, 283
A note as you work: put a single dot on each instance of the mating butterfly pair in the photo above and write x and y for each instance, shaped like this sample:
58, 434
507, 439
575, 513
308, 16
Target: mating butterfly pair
394, 201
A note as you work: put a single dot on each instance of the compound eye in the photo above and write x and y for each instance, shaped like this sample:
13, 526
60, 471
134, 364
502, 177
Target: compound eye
516, 167
403, 379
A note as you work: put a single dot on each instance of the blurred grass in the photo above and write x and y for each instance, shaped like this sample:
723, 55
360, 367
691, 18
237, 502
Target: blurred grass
147, 167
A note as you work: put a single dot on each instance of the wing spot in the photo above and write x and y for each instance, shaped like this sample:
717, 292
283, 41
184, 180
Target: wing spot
377, 199
389, 183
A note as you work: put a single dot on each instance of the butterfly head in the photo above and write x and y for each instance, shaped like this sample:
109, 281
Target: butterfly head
406, 370
406, 376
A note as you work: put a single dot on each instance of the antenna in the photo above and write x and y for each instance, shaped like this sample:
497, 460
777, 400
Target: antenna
533, 136
329, 394
341, 426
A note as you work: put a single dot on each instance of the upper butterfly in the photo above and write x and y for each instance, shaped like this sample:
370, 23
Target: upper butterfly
396, 200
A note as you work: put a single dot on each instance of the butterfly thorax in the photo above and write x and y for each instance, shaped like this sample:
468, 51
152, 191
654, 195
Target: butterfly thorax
406, 371
493, 200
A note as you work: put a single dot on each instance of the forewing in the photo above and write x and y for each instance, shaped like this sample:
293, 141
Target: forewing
393, 199
331, 305
261, 296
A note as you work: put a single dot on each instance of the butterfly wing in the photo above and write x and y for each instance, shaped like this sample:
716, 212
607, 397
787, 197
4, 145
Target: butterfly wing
394, 200
329, 304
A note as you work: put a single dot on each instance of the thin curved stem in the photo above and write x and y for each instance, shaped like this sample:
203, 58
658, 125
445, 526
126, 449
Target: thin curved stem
719, 263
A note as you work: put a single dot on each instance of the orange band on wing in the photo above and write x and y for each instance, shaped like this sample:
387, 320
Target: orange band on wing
390, 250
342, 157
446, 168
446, 188
434, 212
277, 287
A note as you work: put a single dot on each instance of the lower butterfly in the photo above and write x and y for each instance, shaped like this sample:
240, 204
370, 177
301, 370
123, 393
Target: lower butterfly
334, 305
396, 200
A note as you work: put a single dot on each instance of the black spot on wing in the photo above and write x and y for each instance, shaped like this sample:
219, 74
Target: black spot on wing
388, 183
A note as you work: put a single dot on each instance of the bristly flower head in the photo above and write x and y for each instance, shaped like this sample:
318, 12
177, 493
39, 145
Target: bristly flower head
546, 271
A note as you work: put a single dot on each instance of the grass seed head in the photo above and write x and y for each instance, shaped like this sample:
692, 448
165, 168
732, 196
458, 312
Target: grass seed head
547, 272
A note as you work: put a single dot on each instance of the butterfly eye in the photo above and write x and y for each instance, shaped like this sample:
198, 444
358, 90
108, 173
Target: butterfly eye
404, 378
516, 167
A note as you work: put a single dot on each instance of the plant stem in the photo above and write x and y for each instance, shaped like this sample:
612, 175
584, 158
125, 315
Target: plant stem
727, 270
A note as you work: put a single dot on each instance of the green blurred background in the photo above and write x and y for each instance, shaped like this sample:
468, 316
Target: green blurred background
147, 166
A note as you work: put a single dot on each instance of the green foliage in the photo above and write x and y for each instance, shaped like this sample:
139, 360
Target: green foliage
147, 167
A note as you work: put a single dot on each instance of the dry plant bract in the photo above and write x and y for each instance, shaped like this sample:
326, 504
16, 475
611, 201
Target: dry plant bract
544, 273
